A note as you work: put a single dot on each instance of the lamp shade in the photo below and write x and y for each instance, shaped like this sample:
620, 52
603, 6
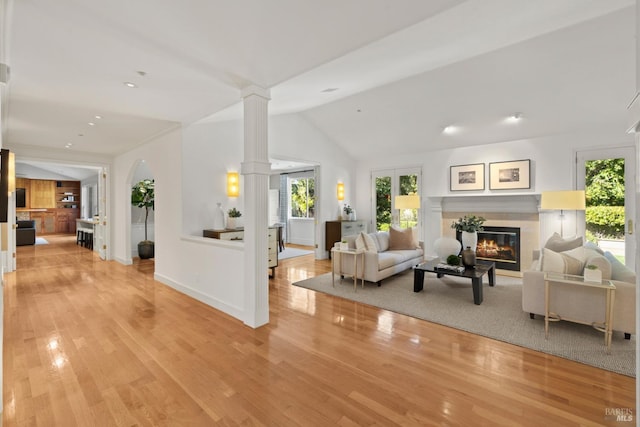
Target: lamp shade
567, 200
233, 184
340, 191
411, 201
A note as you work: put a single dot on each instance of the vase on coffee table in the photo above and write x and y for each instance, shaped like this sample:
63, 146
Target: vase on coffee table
470, 239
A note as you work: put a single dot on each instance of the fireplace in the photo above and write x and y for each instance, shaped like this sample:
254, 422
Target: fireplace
500, 245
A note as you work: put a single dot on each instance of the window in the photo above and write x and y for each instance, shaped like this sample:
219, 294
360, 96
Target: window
387, 184
302, 194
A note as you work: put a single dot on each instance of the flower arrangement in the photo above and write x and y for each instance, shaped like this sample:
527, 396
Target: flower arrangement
347, 209
234, 213
469, 223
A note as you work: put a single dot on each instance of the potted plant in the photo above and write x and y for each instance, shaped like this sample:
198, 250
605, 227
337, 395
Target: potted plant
348, 210
453, 260
234, 214
142, 196
468, 226
592, 273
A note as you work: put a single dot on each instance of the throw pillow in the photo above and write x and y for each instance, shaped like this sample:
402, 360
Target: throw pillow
400, 239
369, 242
560, 263
559, 244
383, 241
360, 243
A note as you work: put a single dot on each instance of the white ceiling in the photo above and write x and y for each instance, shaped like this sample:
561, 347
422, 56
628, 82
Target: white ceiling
403, 69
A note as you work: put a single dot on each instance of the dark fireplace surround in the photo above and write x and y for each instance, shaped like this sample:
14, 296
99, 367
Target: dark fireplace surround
500, 245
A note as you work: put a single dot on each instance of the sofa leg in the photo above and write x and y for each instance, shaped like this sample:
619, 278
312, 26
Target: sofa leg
627, 336
379, 283
532, 316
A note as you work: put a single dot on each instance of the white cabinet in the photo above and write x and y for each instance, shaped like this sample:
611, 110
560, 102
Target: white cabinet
239, 235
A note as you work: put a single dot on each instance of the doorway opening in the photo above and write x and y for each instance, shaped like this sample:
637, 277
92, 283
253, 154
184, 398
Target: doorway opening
606, 175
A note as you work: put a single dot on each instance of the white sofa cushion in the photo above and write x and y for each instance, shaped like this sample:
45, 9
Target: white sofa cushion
387, 259
383, 240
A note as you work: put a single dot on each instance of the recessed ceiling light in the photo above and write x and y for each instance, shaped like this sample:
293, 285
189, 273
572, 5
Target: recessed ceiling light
449, 129
131, 85
515, 117
91, 124
98, 117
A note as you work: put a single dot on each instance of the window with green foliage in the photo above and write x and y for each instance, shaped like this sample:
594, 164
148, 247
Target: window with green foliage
388, 184
383, 202
604, 187
302, 197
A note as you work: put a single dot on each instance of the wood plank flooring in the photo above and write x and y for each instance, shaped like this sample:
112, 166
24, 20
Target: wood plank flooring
95, 343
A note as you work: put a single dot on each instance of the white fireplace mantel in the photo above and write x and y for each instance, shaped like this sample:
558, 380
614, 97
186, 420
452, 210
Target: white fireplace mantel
516, 203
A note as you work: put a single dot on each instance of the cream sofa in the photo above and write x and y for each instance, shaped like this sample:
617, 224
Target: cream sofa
382, 258
586, 304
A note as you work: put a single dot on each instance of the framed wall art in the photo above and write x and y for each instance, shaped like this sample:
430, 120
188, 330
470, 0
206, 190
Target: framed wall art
510, 175
467, 177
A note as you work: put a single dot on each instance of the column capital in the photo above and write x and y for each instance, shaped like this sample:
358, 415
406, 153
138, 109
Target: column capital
256, 90
255, 167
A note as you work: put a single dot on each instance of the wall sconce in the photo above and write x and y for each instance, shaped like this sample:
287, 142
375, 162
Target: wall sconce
12, 172
233, 184
340, 191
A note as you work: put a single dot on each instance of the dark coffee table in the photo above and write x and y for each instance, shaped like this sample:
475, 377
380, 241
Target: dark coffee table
475, 274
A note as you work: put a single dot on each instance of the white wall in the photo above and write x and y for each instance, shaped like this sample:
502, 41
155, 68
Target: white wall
203, 268
293, 137
552, 168
211, 149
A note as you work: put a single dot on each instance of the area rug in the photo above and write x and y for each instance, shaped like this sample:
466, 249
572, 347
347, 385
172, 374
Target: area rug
41, 241
449, 301
292, 253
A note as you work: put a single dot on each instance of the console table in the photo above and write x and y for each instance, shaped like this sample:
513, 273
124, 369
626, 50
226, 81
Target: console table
558, 279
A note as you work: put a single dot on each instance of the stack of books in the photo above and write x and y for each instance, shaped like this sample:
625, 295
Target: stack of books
456, 268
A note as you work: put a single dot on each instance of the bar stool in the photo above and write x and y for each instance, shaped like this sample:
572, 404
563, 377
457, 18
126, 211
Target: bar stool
80, 237
88, 238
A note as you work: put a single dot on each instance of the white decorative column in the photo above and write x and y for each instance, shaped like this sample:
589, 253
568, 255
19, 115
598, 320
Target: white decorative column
256, 169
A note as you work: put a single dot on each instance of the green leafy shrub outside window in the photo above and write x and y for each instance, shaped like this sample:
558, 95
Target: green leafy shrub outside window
605, 222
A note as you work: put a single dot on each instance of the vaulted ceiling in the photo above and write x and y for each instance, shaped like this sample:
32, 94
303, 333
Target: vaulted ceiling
366, 72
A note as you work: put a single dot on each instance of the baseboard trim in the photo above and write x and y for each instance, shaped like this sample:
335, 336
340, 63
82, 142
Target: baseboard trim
229, 309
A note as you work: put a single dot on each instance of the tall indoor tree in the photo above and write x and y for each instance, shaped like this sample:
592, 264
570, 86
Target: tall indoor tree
143, 196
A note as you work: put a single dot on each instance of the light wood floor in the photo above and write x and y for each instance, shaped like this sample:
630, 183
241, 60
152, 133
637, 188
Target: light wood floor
89, 342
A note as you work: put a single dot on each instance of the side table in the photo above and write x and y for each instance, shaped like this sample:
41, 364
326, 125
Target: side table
336, 256
558, 279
